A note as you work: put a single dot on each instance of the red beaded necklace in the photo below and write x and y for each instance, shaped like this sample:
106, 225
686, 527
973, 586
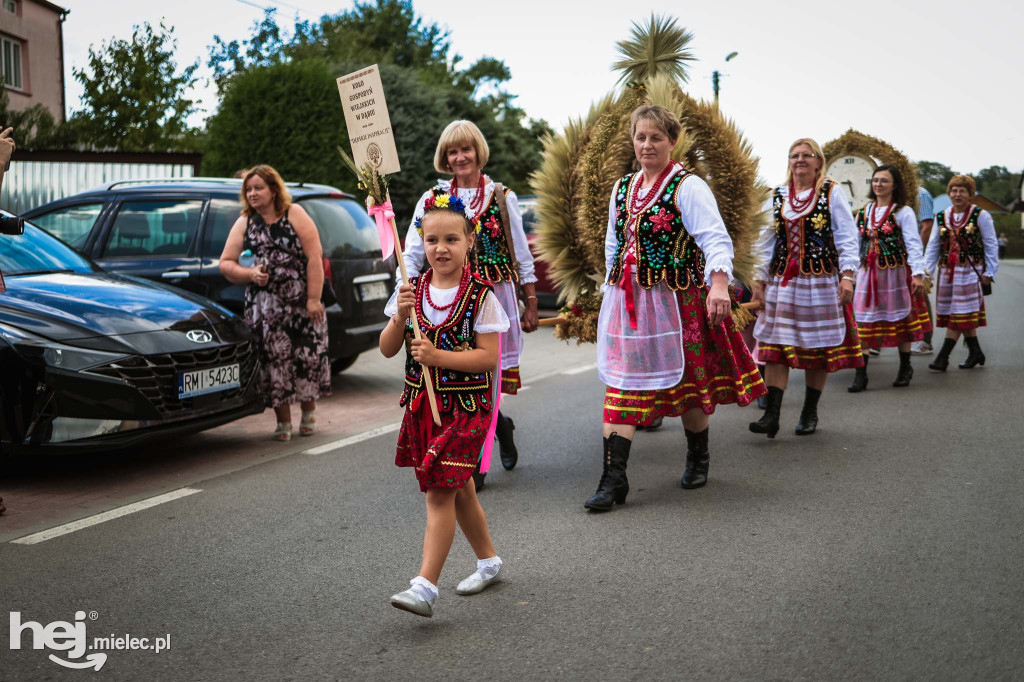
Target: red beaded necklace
477, 202
463, 283
637, 205
798, 205
876, 224
957, 224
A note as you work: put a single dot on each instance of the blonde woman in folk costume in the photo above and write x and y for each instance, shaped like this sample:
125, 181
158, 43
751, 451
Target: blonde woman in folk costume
809, 253
887, 304
967, 252
501, 254
667, 345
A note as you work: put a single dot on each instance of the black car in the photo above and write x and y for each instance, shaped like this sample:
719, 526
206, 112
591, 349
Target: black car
173, 231
92, 360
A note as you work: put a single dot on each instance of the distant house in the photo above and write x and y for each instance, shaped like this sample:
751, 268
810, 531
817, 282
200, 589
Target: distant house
32, 54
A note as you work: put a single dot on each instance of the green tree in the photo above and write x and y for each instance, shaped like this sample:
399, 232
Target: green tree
933, 176
34, 128
425, 92
135, 98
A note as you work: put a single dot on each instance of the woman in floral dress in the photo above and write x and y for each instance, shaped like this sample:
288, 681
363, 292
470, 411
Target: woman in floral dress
282, 301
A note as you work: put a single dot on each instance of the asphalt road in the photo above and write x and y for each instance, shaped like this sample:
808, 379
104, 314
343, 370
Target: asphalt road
888, 546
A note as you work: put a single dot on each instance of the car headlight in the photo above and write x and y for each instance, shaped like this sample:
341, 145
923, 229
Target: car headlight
56, 355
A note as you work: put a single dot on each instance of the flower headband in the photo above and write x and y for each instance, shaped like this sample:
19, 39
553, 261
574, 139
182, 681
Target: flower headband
441, 200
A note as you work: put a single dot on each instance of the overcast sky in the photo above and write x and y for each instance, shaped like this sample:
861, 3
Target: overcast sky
941, 80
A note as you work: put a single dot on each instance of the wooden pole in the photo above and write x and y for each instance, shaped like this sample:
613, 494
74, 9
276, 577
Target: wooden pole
427, 380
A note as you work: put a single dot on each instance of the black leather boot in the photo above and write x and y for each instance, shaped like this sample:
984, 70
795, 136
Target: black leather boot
974, 355
762, 402
697, 457
860, 380
941, 361
808, 423
613, 486
506, 445
769, 422
478, 478
906, 372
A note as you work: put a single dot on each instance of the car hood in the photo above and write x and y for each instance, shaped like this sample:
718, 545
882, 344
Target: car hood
71, 306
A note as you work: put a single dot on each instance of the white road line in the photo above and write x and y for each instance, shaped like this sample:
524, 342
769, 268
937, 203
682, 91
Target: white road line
57, 531
359, 437
580, 370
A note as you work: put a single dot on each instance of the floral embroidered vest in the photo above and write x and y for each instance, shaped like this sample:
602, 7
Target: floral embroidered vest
491, 254
887, 241
664, 249
817, 246
454, 389
972, 248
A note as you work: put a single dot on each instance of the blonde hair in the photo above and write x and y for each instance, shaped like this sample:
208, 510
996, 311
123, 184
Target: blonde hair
666, 121
965, 181
282, 198
819, 178
457, 134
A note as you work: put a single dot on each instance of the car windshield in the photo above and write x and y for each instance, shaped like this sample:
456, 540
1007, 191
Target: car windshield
345, 228
37, 252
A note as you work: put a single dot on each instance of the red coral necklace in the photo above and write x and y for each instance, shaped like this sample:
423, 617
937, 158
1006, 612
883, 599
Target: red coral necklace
798, 205
637, 205
463, 283
957, 224
876, 224
477, 202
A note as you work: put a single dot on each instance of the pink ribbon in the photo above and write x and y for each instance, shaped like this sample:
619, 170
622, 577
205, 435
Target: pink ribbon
383, 213
485, 453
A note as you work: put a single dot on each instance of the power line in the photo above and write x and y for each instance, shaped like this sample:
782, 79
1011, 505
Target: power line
279, 4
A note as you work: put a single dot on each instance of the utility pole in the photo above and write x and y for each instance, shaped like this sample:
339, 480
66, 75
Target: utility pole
716, 77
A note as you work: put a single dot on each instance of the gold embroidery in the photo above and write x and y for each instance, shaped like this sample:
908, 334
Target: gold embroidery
458, 464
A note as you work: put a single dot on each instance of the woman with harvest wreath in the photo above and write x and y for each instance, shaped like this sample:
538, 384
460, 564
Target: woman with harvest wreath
667, 345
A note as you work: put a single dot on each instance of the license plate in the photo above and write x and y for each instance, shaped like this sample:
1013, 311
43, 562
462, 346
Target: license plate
203, 381
373, 291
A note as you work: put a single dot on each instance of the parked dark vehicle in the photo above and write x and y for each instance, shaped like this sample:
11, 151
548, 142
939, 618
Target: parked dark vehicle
173, 231
92, 360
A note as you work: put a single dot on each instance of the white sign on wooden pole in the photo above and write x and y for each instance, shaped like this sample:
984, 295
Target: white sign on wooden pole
369, 125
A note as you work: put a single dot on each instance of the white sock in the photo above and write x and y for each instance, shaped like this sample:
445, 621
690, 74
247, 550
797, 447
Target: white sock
487, 568
423, 588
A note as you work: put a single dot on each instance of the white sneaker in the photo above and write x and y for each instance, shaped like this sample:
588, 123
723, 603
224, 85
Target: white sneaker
921, 348
874, 351
477, 582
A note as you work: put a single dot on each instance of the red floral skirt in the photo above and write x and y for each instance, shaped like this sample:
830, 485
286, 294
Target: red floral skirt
449, 455
847, 355
911, 328
718, 370
963, 322
510, 381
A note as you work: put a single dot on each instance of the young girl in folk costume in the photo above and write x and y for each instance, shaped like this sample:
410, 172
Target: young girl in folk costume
966, 250
888, 303
667, 346
809, 255
501, 255
461, 320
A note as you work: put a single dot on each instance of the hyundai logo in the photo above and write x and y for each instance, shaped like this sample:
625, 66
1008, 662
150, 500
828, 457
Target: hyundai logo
199, 336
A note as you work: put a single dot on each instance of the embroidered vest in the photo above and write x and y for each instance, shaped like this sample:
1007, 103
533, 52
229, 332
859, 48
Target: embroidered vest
454, 389
887, 241
972, 248
817, 246
664, 249
491, 254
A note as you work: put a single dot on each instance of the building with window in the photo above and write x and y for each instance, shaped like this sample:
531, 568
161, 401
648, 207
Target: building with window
32, 54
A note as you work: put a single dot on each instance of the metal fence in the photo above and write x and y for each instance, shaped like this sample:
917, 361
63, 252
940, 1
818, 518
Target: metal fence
36, 178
